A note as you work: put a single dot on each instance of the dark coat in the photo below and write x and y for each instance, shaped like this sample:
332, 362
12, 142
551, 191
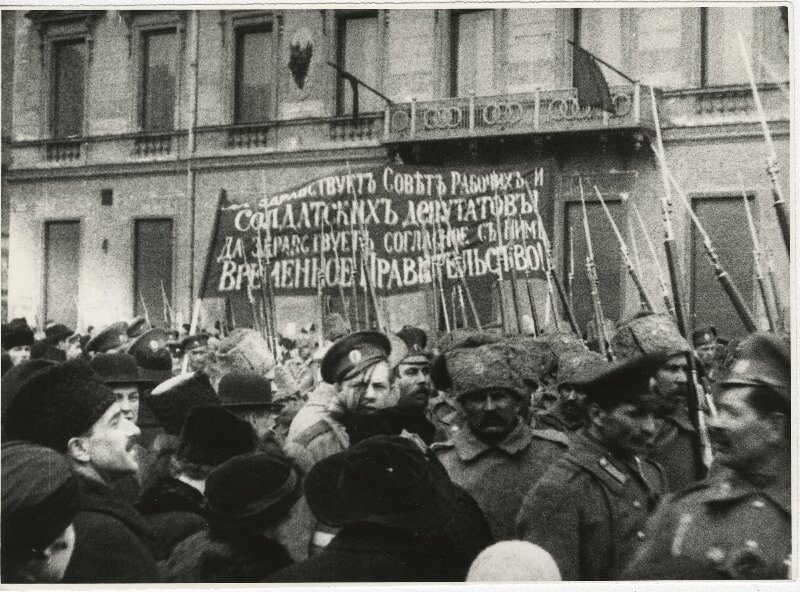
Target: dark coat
589, 509
219, 557
113, 542
371, 553
673, 449
174, 510
721, 528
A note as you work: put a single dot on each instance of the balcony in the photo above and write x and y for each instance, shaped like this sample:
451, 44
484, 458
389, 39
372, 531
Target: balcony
551, 111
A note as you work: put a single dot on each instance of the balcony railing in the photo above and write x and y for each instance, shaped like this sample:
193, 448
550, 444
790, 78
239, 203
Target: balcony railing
63, 151
549, 111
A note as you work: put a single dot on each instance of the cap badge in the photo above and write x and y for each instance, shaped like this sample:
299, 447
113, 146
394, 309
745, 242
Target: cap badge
479, 368
154, 345
354, 356
741, 367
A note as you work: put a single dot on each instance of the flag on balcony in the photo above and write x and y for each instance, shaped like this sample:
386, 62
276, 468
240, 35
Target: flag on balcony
589, 81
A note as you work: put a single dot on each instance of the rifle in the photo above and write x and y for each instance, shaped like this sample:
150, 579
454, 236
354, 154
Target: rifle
512, 268
659, 271
762, 284
144, 308
534, 316
724, 279
549, 268
168, 316
643, 297
702, 444
781, 210
571, 273
774, 285
591, 274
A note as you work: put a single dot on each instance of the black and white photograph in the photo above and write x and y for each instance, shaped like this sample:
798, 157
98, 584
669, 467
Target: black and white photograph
402, 293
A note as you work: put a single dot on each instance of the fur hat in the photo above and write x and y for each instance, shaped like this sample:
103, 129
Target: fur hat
62, 402
481, 368
253, 490
243, 350
171, 400
40, 496
16, 333
647, 334
17, 376
574, 366
42, 350
465, 338
563, 341
535, 361
211, 435
763, 359
55, 333
334, 326
415, 338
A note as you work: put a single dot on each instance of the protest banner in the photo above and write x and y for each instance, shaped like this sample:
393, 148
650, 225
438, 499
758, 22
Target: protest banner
404, 223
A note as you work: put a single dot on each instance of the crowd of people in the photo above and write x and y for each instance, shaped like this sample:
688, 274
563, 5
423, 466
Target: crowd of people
141, 454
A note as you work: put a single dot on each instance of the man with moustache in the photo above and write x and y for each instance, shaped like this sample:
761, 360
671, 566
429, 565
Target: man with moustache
67, 407
589, 508
736, 524
496, 456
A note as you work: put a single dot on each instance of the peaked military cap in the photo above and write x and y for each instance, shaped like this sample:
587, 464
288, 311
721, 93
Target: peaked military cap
763, 359
625, 379
111, 337
148, 344
191, 342
704, 336
136, 327
354, 353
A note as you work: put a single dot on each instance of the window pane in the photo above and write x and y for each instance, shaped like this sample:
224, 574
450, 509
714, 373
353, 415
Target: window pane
70, 59
254, 61
601, 34
661, 47
359, 55
723, 55
153, 267
531, 49
62, 257
160, 65
474, 58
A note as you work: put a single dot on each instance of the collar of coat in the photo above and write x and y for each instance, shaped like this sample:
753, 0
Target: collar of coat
469, 447
593, 456
727, 485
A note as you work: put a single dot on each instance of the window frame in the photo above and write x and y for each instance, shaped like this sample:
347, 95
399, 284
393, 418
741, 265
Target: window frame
266, 26
381, 23
44, 272
134, 254
52, 75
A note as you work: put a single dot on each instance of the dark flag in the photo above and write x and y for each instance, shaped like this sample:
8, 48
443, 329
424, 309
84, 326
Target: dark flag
589, 81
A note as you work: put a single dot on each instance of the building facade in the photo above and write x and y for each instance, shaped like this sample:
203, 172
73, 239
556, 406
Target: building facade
127, 124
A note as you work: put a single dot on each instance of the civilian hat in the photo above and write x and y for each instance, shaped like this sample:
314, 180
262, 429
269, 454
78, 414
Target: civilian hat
117, 368
238, 389
253, 490
383, 480
43, 350
171, 400
40, 496
60, 403
16, 377
763, 359
15, 334
211, 435
354, 353
55, 333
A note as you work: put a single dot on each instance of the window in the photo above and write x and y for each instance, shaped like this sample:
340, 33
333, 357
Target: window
710, 305
159, 77
665, 46
62, 257
358, 53
472, 51
532, 54
254, 74
600, 31
722, 55
69, 65
152, 269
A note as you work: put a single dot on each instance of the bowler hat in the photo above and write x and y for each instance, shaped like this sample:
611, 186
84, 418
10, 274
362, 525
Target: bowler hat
251, 491
354, 353
117, 368
237, 389
171, 400
62, 402
763, 359
211, 435
55, 333
109, 338
15, 334
384, 480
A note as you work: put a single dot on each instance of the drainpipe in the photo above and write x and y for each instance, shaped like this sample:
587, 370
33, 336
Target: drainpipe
190, 149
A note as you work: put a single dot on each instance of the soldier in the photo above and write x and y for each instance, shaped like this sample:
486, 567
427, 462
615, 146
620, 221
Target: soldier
196, 348
737, 523
674, 445
62, 343
496, 456
110, 340
567, 412
588, 509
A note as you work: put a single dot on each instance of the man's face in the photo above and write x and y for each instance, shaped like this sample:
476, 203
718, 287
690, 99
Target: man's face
706, 353
414, 386
19, 354
367, 391
73, 349
628, 429
671, 381
491, 414
110, 444
197, 358
57, 557
571, 402
128, 399
546, 399
304, 351
739, 435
